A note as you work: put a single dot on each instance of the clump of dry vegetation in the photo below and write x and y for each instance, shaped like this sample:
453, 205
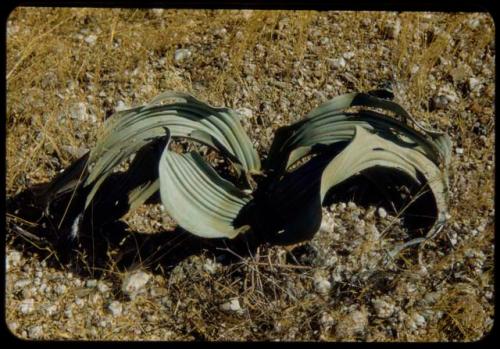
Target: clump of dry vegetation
68, 69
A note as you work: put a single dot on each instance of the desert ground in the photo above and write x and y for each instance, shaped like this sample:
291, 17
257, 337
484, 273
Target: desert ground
68, 69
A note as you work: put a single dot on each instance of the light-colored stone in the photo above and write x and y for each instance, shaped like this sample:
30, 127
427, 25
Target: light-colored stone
102, 287
35, 331
337, 63
322, 285
384, 308
232, 306
116, 308
91, 39
91, 283
181, 54
354, 323
60, 289
134, 283
27, 306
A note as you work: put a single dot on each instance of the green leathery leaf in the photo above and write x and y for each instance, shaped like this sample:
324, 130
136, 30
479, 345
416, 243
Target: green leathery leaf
128, 131
329, 123
198, 198
370, 150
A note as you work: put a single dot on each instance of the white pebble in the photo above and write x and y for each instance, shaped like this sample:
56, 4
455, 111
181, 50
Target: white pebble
338, 63
13, 326
133, 283
13, 259
232, 306
68, 312
115, 308
22, 283
210, 266
459, 151
51, 309
245, 112
440, 102
382, 213
474, 23
326, 320
322, 285
79, 112
91, 283
181, 54
474, 83
383, 308
348, 55
27, 306
60, 289
35, 331
91, 39
419, 320
121, 106
157, 11
102, 287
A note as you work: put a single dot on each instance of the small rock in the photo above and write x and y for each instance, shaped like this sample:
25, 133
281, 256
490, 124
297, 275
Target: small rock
383, 308
181, 54
79, 302
13, 259
382, 213
474, 83
134, 283
120, 106
322, 285
68, 312
13, 326
459, 151
247, 14
326, 321
353, 324
348, 55
60, 289
91, 283
27, 306
22, 283
91, 39
245, 112
35, 331
157, 11
337, 63
102, 287
210, 266
79, 112
115, 308
414, 69
232, 306
474, 23
419, 320
51, 309
220, 32
394, 29
440, 102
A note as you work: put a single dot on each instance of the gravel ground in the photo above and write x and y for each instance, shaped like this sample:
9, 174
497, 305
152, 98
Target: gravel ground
67, 69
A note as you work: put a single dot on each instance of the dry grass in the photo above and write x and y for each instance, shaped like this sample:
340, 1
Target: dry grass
278, 64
